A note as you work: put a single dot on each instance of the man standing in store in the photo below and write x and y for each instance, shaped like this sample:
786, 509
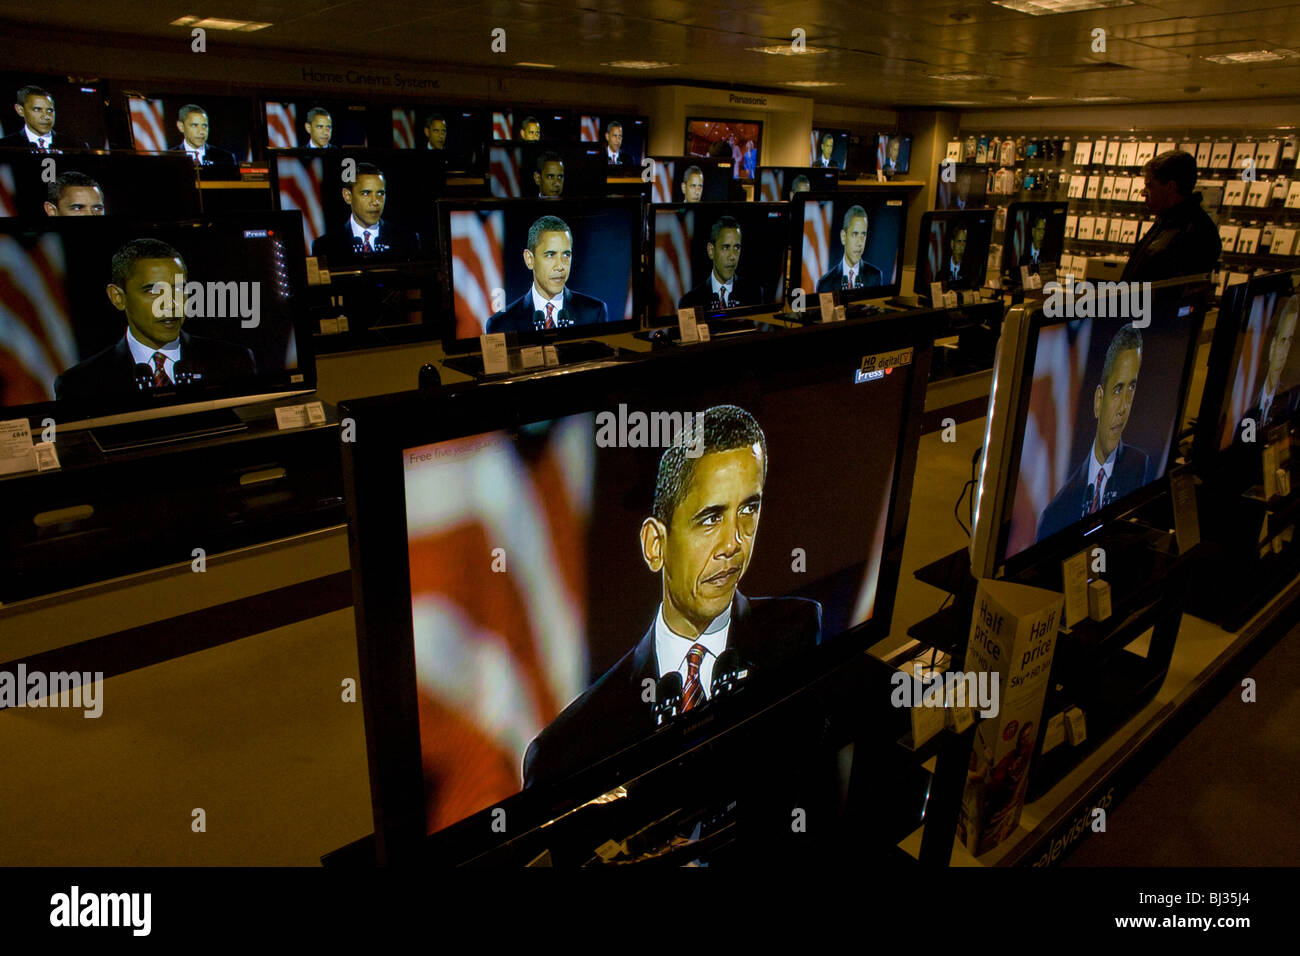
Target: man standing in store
1184, 240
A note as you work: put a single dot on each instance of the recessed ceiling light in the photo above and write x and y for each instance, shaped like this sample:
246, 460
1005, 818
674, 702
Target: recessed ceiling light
638, 64
958, 77
810, 83
1100, 99
218, 23
1033, 97
786, 49
959, 103
1047, 8
1254, 56
538, 66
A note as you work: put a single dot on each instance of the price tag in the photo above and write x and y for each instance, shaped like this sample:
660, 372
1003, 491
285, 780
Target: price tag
496, 360
950, 300
936, 293
702, 329
16, 452
329, 326
315, 413
687, 326
826, 300
552, 357
532, 356
839, 313
880, 175
1054, 736
47, 458
313, 271
343, 323
324, 277
1187, 525
291, 416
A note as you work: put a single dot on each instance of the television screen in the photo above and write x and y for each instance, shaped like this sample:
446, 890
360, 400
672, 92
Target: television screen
690, 179
849, 243
623, 138
540, 268
362, 207
530, 172
216, 131
954, 250
1100, 411
78, 120
723, 258
829, 148
966, 189
107, 316
313, 123
1035, 236
486, 684
532, 124
144, 186
780, 183
456, 134
893, 153
740, 141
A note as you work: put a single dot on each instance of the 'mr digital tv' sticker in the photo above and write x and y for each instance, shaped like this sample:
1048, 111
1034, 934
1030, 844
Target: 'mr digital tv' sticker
881, 364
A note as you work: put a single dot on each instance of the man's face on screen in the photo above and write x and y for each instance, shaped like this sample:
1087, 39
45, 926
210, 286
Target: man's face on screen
828, 147
614, 137
958, 245
1039, 231
894, 146
550, 181
693, 187
154, 323
854, 239
725, 253
531, 132
367, 197
38, 113
551, 261
1280, 347
321, 129
195, 128
437, 133
78, 201
1114, 400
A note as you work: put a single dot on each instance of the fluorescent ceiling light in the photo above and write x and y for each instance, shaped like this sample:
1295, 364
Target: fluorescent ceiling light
958, 77
1254, 56
1047, 8
810, 83
1101, 99
638, 64
786, 49
218, 23
539, 66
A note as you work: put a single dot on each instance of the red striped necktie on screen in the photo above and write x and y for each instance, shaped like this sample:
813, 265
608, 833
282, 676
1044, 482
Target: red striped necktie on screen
365, 239
550, 315
693, 693
1096, 496
160, 379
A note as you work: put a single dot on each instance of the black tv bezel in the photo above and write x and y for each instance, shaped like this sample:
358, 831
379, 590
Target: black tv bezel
376, 498
922, 241
566, 151
455, 346
836, 173
737, 169
718, 166
192, 200
73, 412
660, 321
796, 242
1072, 538
1011, 271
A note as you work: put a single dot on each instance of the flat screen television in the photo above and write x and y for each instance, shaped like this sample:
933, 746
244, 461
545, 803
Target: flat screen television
533, 124
780, 183
828, 149
525, 172
143, 186
623, 137
97, 330
80, 120
584, 265
521, 689
457, 135
224, 126
740, 141
1084, 419
1034, 237
294, 122
961, 186
690, 179
862, 230
953, 249
893, 153
722, 259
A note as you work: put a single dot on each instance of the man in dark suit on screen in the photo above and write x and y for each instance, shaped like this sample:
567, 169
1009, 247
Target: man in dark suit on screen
148, 281
953, 267
35, 107
827, 151
852, 271
1112, 469
1034, 255
320, 128
699, 539
549, 303
723, 289
1274, 404
193, 124
366, 236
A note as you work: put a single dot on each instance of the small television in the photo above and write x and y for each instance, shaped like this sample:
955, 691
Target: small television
625, 135
722, 259
863, 230
1034, 237
143, 186
522, 689
223, 124
294, 122
961, 186
828, 149
1074, 398
690, 179
101, 332
80, 120
533, 124
779, 183
740, 141
454, 134
587, 251
526, 172
953, 249
893, 153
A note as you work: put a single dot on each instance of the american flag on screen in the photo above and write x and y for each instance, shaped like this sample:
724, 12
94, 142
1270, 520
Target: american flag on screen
498, 653
502, 128
36, 338
1251, 369
817, 231
281, 125
814, 147
147, 124
661, 188
590, 131
882, 142
477, 268
8, 192
404, 129
769, 186
300, 188
1019, 238
672, 260
504, 174
934, 249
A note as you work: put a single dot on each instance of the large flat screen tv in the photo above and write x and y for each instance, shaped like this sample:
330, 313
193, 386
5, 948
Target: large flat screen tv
740, 141
849, 243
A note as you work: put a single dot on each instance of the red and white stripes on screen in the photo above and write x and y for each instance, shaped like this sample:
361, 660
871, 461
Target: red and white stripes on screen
281, 125
882, 143
934, 250
661, 188
1019, 236
8, 192
504, 175
300, 188
817, 232
403, 129
814, 147
147, 124
590, 131
36, 338
769, 186
1252, 366
672, 259
477, 268
501, 125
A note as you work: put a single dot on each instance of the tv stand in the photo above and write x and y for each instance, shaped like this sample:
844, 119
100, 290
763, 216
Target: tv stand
165, 431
